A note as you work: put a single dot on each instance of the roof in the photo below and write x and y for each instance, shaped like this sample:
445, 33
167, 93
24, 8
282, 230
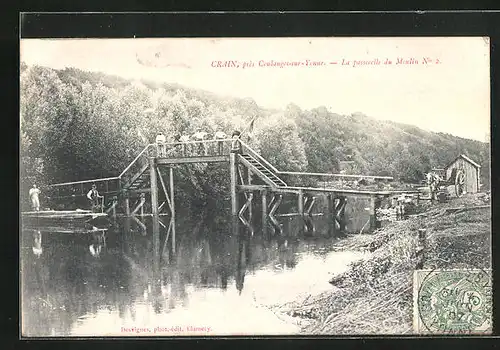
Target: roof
463, 156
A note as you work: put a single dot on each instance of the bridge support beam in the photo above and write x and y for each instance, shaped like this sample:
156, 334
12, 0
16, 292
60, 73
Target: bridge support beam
127, 205
336, 213
301, 202
233, 170
300, 207
275, 202
264, 212
330, 214
241, 214
250, 208
307, 215
154, 206
172, 207
374, 205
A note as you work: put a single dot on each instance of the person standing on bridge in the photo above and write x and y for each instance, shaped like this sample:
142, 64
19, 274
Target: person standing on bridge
200, 136
184, 139
160, 145
93, 196
235, 144
35, 201
220, 135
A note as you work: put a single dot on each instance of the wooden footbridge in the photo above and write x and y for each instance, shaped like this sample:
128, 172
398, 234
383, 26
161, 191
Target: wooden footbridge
252, 177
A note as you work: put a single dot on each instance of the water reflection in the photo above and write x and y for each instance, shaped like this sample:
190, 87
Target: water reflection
108, 281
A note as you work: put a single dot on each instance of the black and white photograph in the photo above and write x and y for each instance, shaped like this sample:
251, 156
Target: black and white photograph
222, 186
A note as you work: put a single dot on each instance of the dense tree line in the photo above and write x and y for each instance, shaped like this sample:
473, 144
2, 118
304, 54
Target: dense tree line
78, 125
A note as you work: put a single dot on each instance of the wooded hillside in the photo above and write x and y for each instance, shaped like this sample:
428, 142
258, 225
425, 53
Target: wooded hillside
78, 125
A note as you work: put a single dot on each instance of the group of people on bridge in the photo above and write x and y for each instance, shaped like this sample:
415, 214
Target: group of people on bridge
96, 200
197, 141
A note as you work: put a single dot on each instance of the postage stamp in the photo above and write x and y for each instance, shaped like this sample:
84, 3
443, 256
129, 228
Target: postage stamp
452, 301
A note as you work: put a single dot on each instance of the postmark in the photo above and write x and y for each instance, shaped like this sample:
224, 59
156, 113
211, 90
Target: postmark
454, 301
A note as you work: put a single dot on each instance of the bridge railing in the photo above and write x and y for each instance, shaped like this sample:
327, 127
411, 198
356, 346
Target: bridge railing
138, 163
105, 186
329, 180
113, 185
77, 190
249, 150
202, 148
324, 180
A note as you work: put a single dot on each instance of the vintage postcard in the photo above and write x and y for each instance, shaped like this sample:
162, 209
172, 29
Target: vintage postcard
255, 186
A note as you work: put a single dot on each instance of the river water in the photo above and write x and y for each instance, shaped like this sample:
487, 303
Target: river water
107, 280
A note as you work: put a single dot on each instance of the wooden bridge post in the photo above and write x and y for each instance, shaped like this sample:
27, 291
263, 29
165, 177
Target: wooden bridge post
373, 217
301, 203
250, 207
143, 199
115, 201
301, 210
233, 164
154, 206
342, 220
331, 215
127, 205
172, 203
264, 213
374, 205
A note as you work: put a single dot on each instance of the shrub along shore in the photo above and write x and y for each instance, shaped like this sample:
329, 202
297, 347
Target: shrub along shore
375, 295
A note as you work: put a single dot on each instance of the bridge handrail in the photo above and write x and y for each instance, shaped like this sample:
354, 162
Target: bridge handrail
135, 159
86, 181
194, 142
257, 155
349, 191
337, 175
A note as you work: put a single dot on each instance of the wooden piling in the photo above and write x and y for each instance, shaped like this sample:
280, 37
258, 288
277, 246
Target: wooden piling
300, 207
250, 207
373, 215
342, 220
301, 202
154, 206
264, 213
233, 164
331, 214
127, 205
172, 203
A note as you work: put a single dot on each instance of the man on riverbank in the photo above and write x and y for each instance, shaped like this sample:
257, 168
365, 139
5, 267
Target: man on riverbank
35, 201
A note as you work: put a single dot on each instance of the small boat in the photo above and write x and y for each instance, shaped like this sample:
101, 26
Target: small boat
63, 215
68, 229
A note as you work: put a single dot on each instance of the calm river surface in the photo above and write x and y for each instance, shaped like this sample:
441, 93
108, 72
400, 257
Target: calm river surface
108, 282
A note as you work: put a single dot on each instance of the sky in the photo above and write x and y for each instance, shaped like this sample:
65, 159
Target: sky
451, 94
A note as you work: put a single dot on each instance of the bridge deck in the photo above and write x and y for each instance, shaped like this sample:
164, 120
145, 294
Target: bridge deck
197, 159
340, 192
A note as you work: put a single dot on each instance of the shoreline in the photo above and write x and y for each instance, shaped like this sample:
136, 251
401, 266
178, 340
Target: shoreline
375, 294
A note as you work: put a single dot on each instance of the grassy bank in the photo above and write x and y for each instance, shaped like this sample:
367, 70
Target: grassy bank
375, 294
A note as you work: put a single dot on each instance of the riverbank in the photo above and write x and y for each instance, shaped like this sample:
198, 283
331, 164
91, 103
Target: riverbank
374, 296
